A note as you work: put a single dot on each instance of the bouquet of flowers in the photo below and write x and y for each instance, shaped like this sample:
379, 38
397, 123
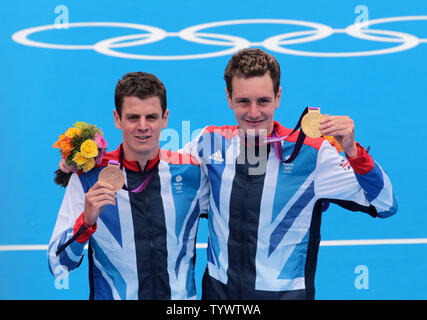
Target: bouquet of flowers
82, 146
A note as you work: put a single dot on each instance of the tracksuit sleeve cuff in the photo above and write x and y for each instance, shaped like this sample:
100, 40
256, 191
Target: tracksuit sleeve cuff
82, 231
363, 163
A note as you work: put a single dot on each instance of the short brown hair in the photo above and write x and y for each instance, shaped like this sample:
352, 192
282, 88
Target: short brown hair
248, 63
142, 85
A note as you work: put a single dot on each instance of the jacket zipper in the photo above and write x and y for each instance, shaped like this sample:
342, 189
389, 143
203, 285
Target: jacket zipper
243, 231
150, 234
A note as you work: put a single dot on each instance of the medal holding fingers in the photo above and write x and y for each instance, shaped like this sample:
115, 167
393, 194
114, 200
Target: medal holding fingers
310, 125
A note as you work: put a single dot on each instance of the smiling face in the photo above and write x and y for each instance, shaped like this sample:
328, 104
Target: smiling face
141, 122
254, 103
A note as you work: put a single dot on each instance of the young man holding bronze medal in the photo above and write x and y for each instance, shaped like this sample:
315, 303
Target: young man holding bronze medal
140, 227
269, 185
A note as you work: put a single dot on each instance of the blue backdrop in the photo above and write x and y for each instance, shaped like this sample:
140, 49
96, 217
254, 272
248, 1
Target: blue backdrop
380, 82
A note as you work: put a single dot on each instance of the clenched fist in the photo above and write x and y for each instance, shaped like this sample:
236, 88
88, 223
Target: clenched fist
96, 198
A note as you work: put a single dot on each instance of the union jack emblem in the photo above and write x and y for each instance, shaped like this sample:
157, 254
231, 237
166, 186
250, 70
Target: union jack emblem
345, 164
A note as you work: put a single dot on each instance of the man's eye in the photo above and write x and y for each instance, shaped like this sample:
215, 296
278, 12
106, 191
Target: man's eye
264, 101
243, 101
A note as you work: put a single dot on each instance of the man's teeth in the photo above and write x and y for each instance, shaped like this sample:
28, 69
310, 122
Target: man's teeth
143, 137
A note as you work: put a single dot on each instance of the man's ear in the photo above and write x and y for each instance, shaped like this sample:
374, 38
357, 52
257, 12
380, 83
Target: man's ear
117, 120
278, 97
228, 98
165, 119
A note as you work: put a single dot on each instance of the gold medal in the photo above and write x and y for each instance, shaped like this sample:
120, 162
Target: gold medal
113, 175
310, 123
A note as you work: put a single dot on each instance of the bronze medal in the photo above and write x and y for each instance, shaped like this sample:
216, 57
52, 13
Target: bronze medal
310, 123
113, 175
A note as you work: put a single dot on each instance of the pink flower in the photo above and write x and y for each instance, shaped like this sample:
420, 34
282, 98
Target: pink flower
100, 141
100, 157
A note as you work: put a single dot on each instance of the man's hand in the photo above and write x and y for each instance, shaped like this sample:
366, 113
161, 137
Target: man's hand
67, 169
342, 129
96, 198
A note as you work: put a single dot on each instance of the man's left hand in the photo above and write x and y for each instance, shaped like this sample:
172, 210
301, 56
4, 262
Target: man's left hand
342, 129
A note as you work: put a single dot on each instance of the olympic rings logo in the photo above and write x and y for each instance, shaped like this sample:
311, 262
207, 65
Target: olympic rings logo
233, 43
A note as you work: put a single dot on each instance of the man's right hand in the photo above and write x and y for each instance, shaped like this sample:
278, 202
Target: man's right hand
97, 197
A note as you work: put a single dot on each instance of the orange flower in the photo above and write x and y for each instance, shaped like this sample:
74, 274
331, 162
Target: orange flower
66, 145
65, 154
334, 143
57, 143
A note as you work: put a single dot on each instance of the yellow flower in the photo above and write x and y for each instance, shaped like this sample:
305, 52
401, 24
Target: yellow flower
79, 159
89, 149
70, 133
89, 164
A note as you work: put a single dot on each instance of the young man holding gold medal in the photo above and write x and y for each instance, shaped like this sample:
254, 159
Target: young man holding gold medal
139, 224
269, 185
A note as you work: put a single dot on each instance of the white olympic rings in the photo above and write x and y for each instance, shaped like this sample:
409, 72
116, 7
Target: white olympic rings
197, 34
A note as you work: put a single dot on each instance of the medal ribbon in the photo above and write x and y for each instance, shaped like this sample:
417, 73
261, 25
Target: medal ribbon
146, 180
277, 144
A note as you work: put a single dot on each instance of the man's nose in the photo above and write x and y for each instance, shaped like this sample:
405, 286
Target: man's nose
253, 111
142, 124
